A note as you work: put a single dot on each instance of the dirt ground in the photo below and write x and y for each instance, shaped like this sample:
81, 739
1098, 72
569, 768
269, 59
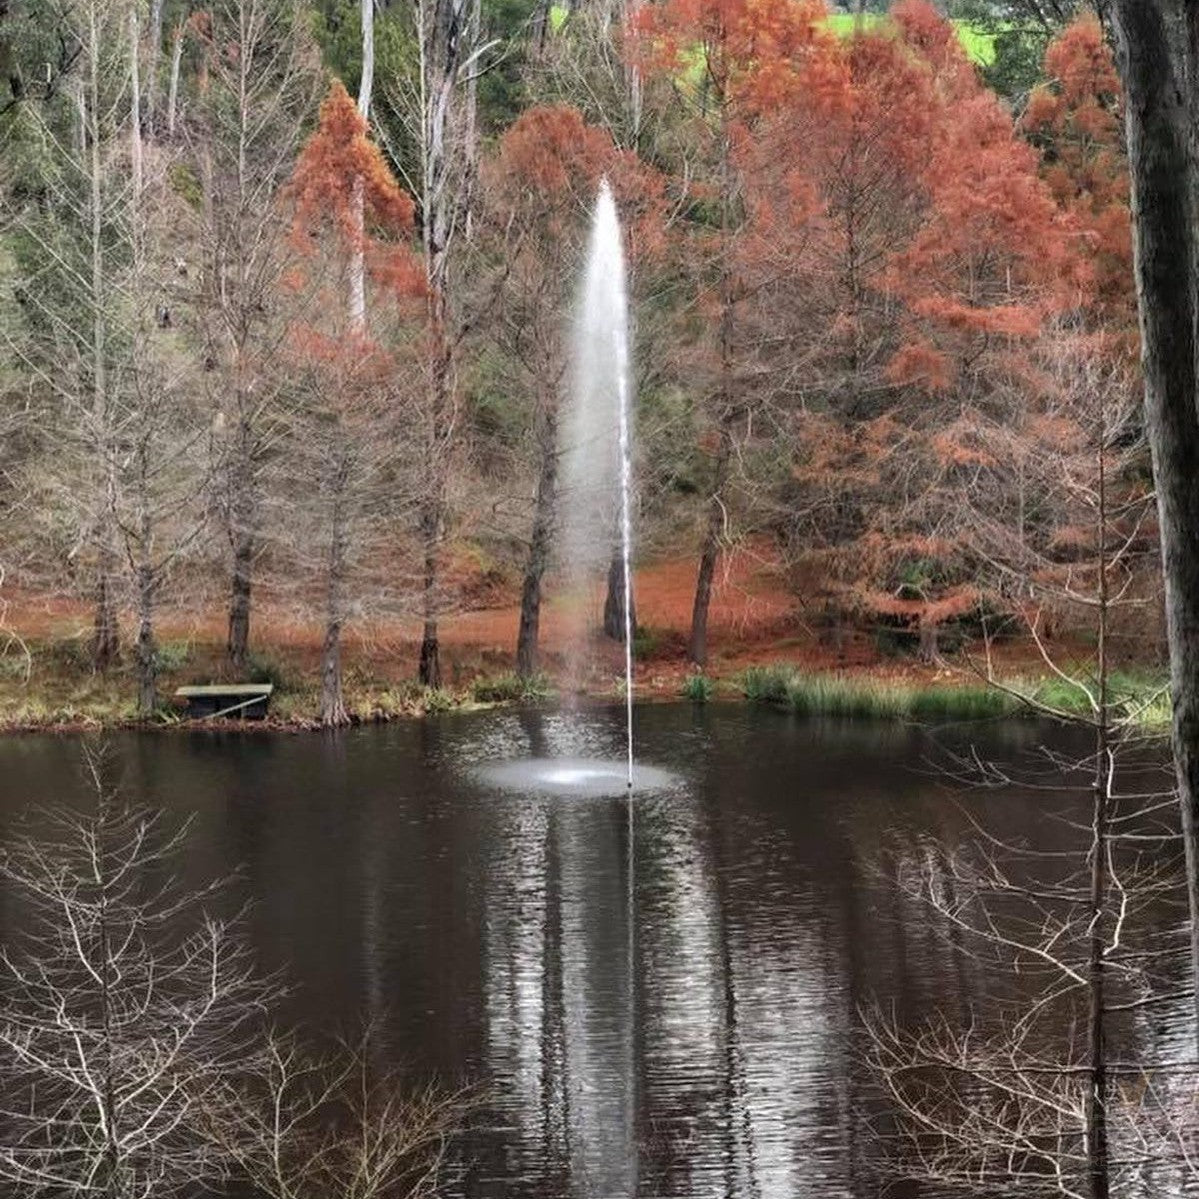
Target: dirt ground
755, 618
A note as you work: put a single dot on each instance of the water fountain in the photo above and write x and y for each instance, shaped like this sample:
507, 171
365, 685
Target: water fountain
596, 497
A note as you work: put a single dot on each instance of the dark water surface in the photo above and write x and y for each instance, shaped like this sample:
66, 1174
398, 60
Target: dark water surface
488, 928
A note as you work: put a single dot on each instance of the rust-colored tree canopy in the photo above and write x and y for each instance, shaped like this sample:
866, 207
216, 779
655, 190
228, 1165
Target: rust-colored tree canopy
338, 164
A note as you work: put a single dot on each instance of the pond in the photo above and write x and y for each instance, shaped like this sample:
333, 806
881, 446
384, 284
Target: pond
700, 1042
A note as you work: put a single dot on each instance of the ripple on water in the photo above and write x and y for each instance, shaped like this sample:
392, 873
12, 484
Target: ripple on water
589, 778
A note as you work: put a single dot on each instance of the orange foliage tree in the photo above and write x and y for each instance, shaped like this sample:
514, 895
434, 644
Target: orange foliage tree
1075, 119
718, 57
349, 452
898, 254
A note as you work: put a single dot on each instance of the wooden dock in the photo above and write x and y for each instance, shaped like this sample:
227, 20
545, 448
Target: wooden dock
239, 701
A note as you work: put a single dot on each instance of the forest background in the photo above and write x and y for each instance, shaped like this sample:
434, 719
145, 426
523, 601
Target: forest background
285, 294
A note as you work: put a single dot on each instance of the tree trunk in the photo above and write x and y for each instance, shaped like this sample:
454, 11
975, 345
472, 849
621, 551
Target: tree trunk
154, 53
173, 85
106, 641
540, 26
928, 650
106, 635
242, 515
697, 649
614, 621
442, 403
239, 601
1160, 104
333, 708
539, 547
1097, 1150
710, 555
430, 649
357, 296
443, 199
147, 651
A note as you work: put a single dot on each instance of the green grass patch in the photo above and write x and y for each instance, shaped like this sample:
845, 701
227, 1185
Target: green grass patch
870, 699
1138, 697
698, 688
511, 688
768, 684
979, 44
437, 699
170, 656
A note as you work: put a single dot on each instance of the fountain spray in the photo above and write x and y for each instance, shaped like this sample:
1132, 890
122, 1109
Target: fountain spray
597, 468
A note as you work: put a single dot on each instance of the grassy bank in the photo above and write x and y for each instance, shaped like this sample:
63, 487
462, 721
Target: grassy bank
50, 685
1141, 698
53, 687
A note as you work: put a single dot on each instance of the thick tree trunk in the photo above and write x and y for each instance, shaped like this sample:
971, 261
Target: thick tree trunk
697, 649
539, 548
1160, 105
147, 651
239, 601
106, 635
333, 708
431, 649
928, 650
614, 622
243, 526
442, 404
333, 712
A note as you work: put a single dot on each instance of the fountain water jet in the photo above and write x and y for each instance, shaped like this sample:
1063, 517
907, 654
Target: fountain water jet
596, 500
597, 468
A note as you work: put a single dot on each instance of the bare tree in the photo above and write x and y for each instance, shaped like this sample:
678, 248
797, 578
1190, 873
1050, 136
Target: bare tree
126, 1006
308, 1127
97, 343
246, 128
434, 105
77, 244
1010, 1099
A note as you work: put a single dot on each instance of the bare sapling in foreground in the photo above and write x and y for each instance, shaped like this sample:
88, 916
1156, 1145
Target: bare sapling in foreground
1047, 1085
137, 1055
126, 1006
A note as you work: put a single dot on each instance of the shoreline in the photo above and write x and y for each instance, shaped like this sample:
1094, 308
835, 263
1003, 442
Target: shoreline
908, 692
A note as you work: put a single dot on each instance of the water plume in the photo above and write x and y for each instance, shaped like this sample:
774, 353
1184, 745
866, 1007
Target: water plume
597, 457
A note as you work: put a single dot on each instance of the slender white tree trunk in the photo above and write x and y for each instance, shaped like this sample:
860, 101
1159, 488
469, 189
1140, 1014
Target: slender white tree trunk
153, 54
135, 103
357, 309
173, 87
